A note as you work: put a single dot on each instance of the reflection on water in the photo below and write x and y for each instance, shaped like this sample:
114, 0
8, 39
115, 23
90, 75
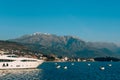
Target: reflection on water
20, 74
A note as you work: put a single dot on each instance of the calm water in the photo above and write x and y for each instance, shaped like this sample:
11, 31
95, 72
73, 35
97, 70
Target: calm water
77, 71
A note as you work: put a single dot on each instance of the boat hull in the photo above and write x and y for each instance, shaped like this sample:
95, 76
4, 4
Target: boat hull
20, 65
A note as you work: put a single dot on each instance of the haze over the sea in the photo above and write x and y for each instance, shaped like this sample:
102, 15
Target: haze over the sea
91, 20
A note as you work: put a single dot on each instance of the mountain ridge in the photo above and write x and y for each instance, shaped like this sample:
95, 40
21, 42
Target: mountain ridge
67, 45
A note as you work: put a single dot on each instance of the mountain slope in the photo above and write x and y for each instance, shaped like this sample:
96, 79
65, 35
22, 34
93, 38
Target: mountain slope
66, 46
11, 45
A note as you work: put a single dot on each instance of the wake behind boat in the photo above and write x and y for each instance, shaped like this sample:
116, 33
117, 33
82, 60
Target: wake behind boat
15, 62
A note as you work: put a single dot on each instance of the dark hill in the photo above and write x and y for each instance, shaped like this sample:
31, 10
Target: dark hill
8, 45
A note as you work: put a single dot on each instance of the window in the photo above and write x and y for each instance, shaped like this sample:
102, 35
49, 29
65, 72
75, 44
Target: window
17, 65
13, 56
28, 60
5, 65
6, 60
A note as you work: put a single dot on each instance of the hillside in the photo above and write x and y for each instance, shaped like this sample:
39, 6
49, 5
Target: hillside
12, 45
67, 46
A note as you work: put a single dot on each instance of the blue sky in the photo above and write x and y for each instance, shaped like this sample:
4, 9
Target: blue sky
91, 20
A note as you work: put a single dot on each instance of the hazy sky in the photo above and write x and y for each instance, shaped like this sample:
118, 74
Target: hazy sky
91, 20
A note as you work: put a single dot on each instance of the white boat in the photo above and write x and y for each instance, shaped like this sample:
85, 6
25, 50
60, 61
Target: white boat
15, 62
65, 67
58, 66
109, 64
102, 68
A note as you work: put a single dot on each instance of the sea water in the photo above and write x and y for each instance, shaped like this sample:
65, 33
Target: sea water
73, 71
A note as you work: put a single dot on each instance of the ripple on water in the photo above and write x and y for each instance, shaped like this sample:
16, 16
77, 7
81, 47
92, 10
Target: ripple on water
80, 71
25, 74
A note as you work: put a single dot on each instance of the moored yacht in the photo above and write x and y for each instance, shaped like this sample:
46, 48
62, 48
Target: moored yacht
15, 62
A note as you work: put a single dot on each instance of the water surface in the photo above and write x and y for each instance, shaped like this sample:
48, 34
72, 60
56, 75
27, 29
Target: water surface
74, 71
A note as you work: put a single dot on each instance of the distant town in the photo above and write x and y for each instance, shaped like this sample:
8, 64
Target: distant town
54, 57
